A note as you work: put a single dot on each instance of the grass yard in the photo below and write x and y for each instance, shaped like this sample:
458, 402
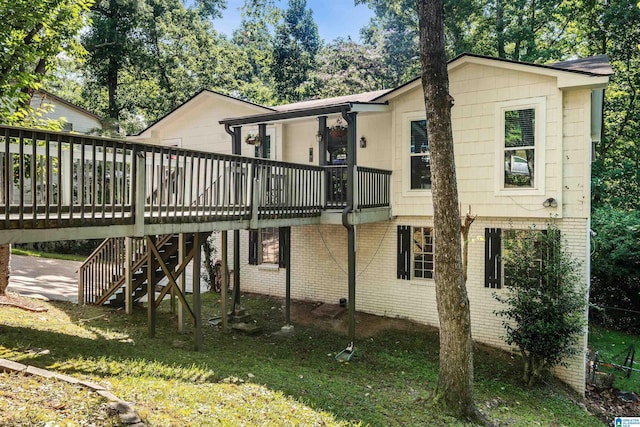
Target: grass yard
39, 254
264, 379
612, 348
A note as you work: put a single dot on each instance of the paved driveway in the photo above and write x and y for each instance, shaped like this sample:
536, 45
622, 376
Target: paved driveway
44, 278
55, 279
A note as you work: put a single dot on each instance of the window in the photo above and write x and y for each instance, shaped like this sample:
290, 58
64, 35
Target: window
415, 252
520, 158
264, 246
269, 246
519, 148
499, 243
420, 156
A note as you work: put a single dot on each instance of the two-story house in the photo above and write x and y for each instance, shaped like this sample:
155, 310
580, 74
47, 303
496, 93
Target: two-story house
523, 136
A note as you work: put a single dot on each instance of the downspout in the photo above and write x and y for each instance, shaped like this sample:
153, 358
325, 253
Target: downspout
350, 118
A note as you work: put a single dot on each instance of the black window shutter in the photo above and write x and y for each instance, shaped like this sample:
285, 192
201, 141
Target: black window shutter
283, 242
404, 252
492, 258
253, 247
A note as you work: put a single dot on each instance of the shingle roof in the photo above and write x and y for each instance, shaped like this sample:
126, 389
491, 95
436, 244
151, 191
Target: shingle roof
594, 65
313, 103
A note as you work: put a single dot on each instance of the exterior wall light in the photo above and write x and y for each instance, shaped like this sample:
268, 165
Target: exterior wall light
363, 142
550, 203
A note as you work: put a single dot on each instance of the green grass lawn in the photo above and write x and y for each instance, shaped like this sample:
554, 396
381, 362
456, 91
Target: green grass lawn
28, 252
612, 348
265, 379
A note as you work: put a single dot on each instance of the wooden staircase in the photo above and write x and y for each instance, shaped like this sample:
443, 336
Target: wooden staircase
102, 277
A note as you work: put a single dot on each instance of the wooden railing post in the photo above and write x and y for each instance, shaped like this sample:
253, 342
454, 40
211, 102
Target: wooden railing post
257, 189
140, 196
81, 299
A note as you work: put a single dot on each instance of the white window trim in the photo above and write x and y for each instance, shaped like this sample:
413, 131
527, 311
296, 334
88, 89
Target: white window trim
413, 254
407, 191
539, 104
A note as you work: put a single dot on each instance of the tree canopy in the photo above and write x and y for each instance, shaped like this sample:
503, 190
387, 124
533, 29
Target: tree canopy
31, 39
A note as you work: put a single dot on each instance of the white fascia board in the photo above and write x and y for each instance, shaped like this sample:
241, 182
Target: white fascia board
566, 79
369, 108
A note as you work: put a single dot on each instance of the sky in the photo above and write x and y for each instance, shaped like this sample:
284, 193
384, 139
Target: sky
335, 18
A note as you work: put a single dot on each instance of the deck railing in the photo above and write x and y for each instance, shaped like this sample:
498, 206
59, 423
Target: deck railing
373, 187
48, 178
52, 180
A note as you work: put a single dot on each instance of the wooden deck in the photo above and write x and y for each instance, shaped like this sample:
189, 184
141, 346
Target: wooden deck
58, 186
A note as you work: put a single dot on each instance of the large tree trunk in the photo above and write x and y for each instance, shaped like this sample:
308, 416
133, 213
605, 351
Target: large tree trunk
455, 377
5, 268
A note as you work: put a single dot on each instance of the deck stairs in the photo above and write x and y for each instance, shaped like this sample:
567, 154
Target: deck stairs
102, 275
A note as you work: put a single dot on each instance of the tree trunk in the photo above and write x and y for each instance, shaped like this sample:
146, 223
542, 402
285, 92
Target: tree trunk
455, 377
5, 267
500, 28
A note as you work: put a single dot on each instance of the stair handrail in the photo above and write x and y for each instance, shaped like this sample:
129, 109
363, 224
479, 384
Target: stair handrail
110, 275
86, 291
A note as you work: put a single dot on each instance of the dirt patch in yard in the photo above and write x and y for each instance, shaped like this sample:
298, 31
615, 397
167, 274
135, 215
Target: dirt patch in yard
607, 404
367, 325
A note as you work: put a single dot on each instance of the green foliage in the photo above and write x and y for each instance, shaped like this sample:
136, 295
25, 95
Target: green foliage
32, 34
346, 67
615, 268
66, 247
296, 45
394, 33
614, 28
545, 299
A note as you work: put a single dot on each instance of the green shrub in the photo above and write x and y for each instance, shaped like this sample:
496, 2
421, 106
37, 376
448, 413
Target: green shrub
615, 269
545, 300
75, 247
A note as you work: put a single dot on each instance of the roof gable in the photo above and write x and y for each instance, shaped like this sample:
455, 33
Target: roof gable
200, 97
48, 95
593, 71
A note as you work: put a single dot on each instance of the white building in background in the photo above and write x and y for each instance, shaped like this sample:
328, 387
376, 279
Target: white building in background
76, 119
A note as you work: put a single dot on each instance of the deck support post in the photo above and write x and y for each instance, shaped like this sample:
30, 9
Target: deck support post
238, 311
197, 302
182, 284
128, 276
350, 118
287, 264
225, 280
151, 287
351, 249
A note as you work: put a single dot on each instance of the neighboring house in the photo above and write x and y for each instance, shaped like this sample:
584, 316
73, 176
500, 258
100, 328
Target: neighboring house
75, 119
523, 136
